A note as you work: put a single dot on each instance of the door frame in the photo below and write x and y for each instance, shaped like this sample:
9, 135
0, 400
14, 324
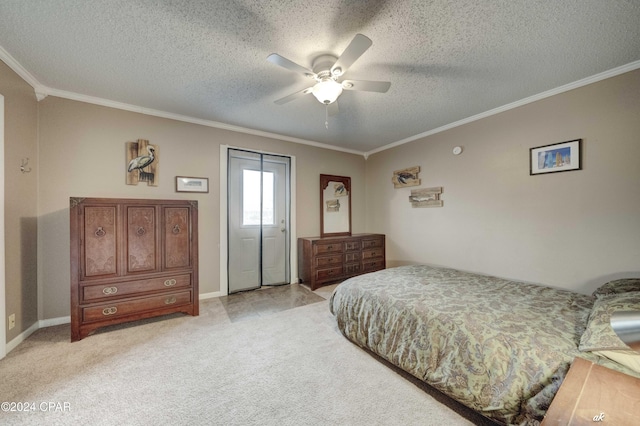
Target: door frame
3, 292
224, 235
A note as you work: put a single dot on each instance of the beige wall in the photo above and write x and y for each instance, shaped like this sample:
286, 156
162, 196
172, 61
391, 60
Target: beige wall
20, 203
82, 151
571, 230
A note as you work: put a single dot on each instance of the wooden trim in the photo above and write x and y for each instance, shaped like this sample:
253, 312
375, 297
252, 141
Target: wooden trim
592, 394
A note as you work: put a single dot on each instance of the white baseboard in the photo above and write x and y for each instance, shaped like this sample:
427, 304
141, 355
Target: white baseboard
22, 336
54, 321
66, 320
211, 295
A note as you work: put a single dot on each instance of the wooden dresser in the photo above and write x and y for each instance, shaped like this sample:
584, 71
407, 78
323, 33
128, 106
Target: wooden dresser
325, 260
593, 394
131, 259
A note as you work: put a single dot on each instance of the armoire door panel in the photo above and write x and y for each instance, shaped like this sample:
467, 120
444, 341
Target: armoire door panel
141, 238
176, 232
100, 256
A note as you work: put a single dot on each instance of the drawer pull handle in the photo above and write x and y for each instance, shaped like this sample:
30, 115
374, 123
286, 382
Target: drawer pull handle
110, 290
100, 232
176, 229
329, 247
109, 311
170, 283
169, 300
141, 231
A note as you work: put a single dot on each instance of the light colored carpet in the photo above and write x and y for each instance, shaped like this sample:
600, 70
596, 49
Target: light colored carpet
292, 368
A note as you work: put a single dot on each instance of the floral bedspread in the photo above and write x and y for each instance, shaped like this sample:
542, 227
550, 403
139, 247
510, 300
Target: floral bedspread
499, 347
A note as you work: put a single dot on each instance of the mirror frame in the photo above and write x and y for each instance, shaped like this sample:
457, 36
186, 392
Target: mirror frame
324, 182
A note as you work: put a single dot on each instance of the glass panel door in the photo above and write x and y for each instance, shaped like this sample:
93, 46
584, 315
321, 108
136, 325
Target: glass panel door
258, 218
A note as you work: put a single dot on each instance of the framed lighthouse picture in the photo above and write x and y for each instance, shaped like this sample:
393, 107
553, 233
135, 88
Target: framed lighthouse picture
142, 163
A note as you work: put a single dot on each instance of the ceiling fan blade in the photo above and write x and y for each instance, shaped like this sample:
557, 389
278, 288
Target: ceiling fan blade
274, 58
293, 96
332, 108
356, 48
367, 86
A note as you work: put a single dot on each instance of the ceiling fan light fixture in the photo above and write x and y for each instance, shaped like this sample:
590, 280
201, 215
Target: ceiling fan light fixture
327, 91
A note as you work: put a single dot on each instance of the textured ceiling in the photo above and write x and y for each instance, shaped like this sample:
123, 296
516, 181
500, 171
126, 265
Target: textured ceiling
446, 60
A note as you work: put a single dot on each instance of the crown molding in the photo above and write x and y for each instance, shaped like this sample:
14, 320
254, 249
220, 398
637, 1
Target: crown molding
42, 92
39, 89
576, 84
208, 123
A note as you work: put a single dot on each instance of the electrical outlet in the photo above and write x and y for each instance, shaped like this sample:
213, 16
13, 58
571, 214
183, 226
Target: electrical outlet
12, 321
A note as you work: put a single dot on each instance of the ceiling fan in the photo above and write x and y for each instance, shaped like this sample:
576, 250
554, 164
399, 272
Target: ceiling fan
326, 70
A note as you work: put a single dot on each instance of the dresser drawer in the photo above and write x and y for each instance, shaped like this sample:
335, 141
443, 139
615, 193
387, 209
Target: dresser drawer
371, 243
373, 265
352, 269
372, 253
328, 274
324, 261
327, 248
352, 257
117, 309
121, 289
352, 245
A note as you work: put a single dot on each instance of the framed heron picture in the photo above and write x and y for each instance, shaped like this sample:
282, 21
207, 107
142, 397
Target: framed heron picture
557, 157
142, 163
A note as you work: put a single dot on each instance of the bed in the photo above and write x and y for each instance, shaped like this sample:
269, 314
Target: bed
497, 346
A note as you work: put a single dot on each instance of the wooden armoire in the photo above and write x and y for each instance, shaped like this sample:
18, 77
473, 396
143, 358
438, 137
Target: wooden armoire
131, 259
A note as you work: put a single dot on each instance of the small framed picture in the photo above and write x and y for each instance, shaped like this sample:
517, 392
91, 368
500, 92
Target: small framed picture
192, 184
406, 177
557, 157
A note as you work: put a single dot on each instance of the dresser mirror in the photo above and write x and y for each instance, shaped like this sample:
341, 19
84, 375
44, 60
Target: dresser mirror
335, 206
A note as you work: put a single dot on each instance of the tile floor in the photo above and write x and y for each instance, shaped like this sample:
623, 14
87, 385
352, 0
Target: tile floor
268, 300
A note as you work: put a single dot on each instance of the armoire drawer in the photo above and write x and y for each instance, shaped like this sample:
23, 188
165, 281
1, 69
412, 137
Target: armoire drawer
124, 288
117, 309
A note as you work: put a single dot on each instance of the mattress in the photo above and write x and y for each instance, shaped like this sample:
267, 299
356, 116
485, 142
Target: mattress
498, 346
